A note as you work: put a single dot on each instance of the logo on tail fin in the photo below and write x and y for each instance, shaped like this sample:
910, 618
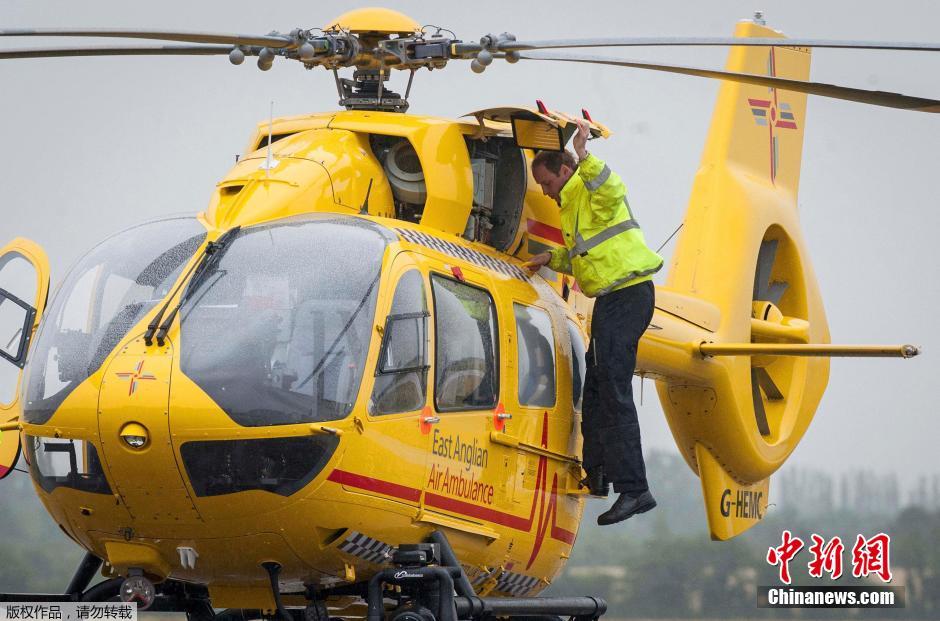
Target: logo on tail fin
772, 114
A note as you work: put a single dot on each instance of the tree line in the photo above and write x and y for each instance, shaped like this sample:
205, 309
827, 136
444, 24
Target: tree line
657, 565
663, 564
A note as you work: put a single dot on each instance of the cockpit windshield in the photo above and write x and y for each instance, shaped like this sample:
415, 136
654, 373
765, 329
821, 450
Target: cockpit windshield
108, 291
277, 328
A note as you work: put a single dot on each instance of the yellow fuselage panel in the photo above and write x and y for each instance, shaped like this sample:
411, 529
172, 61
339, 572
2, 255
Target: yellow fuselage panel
504, 491
324, 162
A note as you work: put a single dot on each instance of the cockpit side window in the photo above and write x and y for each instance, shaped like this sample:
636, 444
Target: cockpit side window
57, 462
466, 359
577, 364
108, 291
402, 371
536, 356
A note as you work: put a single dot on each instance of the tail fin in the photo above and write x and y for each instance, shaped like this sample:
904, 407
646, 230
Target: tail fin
759, 130
741, 250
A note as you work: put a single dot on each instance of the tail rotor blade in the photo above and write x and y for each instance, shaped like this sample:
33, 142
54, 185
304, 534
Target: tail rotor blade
767, 384
760, 415
765, 262
775, 291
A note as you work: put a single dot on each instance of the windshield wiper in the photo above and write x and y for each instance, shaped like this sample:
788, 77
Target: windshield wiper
327, 357
201, 268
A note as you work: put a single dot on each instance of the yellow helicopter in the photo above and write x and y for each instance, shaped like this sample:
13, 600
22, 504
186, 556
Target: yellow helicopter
342, 358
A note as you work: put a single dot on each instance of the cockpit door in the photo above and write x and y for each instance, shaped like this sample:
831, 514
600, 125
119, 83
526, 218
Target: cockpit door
24, 286
466, 475
393, 446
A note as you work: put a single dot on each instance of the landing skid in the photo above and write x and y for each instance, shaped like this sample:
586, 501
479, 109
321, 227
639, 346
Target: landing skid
432, 586
429, 585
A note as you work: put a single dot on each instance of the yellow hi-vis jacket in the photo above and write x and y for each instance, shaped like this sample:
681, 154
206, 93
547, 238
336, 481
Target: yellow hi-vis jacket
604, 246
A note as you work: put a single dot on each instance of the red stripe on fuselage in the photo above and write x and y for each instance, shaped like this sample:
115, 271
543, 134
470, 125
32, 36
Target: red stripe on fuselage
449, 504
482, 513
386, 488
544, 231
547, 507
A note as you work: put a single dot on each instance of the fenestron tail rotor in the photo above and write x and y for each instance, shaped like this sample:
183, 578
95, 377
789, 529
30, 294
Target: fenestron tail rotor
767, 294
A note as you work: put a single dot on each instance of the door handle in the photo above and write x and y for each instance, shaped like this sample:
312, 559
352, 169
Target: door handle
430, 420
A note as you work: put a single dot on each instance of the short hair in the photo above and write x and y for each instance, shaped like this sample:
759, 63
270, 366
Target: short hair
552, 161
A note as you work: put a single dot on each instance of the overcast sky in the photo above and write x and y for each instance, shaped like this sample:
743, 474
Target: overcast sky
91, 146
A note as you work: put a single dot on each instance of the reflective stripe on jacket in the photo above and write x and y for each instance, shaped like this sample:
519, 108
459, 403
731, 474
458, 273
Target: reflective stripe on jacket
604, 246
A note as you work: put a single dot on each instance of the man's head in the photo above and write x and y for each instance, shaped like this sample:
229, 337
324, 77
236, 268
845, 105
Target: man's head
552, 169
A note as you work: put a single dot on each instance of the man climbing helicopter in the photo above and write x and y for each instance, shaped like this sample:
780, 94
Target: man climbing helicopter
608, 256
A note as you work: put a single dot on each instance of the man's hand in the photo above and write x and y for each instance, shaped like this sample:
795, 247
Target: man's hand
537, 261
579, 142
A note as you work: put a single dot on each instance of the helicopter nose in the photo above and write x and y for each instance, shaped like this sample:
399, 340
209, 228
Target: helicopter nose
133, 419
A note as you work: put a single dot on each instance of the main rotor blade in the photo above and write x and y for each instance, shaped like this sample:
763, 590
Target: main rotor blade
875, 98
274, 41
507, 46
162, 50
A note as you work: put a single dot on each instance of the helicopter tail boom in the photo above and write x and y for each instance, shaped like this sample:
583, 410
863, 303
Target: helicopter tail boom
741, 250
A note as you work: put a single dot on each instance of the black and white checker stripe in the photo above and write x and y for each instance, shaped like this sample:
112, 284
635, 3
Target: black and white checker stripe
467, 254
366, 548
516, 584
477, 576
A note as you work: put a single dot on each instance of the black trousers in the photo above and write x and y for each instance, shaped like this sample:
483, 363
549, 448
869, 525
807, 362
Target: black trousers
609, 424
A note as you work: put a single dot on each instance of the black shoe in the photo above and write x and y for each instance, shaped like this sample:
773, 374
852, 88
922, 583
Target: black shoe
625, 507
596, 481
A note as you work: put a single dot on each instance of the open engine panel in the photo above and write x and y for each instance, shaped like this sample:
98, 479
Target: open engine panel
499, 182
